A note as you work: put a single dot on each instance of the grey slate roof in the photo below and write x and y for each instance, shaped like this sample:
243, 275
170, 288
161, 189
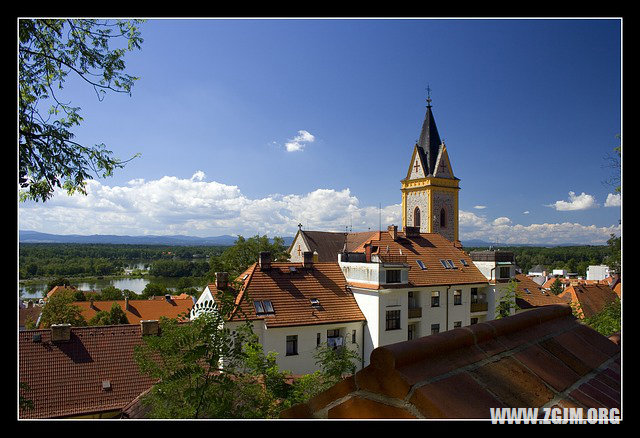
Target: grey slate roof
429, 143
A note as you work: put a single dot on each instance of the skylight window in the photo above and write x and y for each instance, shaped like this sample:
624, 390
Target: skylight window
292, 269
464, 262
314, 302
263, 307
444, 263
451, 265
268, 307
527, 290
422, 266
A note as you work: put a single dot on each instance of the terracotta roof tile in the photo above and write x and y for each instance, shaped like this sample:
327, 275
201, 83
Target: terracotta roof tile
539, 358
139, 309
529, 294
592, 298
429, 248
65, 378
290, 287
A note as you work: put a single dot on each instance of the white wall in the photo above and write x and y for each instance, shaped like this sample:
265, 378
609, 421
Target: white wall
597, 272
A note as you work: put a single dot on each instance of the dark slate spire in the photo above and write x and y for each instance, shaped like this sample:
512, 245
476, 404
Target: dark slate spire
429, 142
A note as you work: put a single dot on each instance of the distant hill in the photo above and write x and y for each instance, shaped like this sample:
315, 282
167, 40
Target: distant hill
37, 237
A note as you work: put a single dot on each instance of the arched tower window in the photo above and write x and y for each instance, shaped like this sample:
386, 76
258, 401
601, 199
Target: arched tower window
443, 219
416, 217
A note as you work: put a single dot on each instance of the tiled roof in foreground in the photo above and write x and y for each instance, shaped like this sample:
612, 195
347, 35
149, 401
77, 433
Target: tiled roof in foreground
66, 378
540, 358
290, 288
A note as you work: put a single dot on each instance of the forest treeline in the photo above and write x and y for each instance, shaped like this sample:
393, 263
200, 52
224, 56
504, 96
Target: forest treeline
46, 260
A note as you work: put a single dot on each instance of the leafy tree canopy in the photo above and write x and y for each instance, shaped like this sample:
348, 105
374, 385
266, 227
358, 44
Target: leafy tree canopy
49, 50
60, 309
235, 259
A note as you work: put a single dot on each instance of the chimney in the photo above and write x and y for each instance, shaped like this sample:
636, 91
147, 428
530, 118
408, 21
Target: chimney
367, 253
167, 297
412, 231
307, 259
393, 232
222, 278
29, 304
265, 260
149, 327
60, 332
91, 306
126, 303
315, 256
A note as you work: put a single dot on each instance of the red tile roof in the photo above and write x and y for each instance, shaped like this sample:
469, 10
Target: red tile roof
543, 357
429, 248
329, 244
58, 289
65, 378
139, 309
536, 295
591, 298
290, 293
30, 313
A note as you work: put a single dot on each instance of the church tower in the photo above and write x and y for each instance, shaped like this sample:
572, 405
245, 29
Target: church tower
430, 190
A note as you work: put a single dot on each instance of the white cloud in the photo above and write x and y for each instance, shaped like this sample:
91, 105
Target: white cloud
613, 200
299, 141
193, 206
580, 202
480, 207
504, 231
196, 207
525, 212
501, 221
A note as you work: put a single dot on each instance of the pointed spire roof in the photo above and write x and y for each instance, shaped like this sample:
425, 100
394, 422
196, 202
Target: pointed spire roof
429, 142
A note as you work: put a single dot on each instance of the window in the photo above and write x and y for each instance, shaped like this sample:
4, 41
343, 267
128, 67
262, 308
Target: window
457, 297
435, 328
413, 303
444, 264
393, 276
422, 266
393, 320
333, 338
258, 306
268, 307
435, 299
474, 294
292, 345
505, 272
443, 218
464, 262
474, 321
263, 307
314, 302
416, 217
457, 324
353, 336
527, 290
318, 337
451, 265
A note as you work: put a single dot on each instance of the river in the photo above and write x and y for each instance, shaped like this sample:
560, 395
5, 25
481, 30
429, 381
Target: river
135, 284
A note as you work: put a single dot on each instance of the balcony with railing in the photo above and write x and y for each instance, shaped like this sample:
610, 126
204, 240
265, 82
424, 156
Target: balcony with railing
415, 312
479, 304
389, 259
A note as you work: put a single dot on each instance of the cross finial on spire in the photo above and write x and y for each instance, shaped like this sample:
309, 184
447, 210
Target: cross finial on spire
428, 95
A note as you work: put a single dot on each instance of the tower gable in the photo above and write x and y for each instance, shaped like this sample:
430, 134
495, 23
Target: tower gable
443, 165
416, 166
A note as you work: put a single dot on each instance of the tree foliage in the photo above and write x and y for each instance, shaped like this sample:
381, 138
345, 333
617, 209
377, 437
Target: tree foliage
207, 370
235, 259
49, 50
556, 287
115, 316
608, 321
60, 309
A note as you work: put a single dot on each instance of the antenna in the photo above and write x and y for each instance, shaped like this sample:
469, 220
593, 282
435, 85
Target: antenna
380, 216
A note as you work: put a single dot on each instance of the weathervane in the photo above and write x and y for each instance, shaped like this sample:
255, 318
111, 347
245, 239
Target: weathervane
428, 95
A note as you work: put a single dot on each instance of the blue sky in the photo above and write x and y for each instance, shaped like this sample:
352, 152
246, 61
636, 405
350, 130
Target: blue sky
251, 126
